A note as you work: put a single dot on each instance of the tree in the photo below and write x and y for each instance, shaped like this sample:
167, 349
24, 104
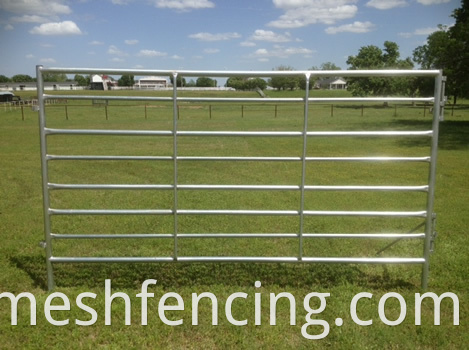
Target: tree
4, 79
81, 80
180, 81
372, 57
284, 82
22, 78
54, 77
126, 80
243, 83
448, 49
205, 82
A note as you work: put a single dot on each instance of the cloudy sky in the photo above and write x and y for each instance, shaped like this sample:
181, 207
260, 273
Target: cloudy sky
207, 34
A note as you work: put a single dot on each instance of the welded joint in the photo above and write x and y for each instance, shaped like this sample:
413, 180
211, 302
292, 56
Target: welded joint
43, 244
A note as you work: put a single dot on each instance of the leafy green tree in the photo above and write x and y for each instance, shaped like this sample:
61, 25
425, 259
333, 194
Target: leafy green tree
448, 49
4, 79
205, 82
180, 81
54, 77
190, 83
81, 80
126, 80
372, 57
22, 78
243, 83
284, 82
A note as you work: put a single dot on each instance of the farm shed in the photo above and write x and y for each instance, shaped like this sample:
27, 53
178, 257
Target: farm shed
332, 84
8, 97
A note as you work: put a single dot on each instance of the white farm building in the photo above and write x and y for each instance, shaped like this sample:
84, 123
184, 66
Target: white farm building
152, 83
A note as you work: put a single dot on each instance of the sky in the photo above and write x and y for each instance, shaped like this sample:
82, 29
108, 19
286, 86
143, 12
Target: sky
208, 34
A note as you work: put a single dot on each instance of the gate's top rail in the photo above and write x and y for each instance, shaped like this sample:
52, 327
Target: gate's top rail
198, 73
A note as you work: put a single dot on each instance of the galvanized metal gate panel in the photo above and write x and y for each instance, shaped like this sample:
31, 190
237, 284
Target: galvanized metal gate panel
303, 187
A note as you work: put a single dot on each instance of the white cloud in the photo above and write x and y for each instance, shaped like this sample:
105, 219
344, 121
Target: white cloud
421, 31
131, 42
96, 43
117, 59
214, 37
151, 53
301, 13
36, 7
121, 2
386, 4
8, 27
177, 57
212, 51
47, 60
29, 56
425, 31
268, 35
281, 52
184, 5
355, 27
30, 19
57, 28
432, 2
114, 50
247, 44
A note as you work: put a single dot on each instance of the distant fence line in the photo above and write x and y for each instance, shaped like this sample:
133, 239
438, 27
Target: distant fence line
243, 108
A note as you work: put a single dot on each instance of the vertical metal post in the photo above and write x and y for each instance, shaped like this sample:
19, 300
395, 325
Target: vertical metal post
175, 165
45, 178
303, 167
431, 180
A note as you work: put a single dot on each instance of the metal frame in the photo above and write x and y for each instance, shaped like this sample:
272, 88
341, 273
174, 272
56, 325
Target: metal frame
429, 188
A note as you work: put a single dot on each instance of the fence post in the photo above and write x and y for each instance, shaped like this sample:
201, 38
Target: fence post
276, 111
66, 112
145, 111
362, 110
105, 110
242, 111
332, 110
22, 113
210, 111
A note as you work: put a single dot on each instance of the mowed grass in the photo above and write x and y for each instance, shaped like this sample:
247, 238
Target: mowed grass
21, 224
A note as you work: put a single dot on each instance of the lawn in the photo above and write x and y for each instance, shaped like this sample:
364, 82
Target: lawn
22, 260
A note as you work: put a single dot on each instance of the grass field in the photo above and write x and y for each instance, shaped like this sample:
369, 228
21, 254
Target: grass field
23, 266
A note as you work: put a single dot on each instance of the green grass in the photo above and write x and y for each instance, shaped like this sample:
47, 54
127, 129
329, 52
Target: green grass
23, 265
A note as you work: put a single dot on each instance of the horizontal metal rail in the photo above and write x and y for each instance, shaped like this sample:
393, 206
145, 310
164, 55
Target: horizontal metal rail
240, 235
236, 212
85, 157
234, 259
50, 131
244, 159
54, 186
247, 73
